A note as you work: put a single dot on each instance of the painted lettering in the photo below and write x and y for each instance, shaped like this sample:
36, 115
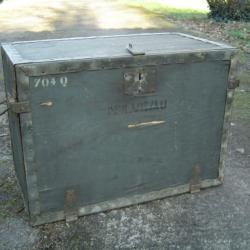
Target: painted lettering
116, 109
45, 82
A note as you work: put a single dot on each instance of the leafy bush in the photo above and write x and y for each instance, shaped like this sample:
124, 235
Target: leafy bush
222, 10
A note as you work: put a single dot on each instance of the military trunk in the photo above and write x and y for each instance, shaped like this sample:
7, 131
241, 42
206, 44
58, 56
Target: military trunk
105, 122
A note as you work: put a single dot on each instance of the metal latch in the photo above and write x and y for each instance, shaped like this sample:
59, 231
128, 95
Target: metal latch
195, 183
139, 81
18, 107
134, 52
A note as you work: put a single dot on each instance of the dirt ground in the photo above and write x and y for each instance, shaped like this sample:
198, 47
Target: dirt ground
216, 218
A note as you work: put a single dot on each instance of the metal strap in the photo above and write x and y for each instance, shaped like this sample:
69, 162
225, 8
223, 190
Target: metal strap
19, 107
70, 206
195, 183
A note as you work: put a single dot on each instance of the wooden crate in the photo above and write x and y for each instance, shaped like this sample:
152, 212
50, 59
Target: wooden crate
104, 122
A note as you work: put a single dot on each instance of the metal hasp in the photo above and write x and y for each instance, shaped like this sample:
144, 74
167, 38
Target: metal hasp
195, 183
134, 52
140, 82
18, 107
70, 206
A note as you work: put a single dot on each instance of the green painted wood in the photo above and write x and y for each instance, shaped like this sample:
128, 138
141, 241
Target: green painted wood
106, 47
14, 125
85, 134
83, 140
109, 47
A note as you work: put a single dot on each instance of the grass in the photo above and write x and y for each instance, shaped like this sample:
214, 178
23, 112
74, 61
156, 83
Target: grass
237, 34
242, 35
10, 199
158, 9
241, 106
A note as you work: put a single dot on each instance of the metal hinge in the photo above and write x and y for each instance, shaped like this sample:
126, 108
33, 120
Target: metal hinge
70, 206
233, 83
18, 107
195, 183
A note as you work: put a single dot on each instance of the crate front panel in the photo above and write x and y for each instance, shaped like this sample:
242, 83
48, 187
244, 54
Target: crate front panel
86, 136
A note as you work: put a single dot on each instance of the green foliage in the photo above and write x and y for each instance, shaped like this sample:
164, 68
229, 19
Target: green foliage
223, 10
243, 37
237, 34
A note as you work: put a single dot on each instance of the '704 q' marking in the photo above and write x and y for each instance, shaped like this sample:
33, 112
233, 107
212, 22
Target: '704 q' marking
46, 82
